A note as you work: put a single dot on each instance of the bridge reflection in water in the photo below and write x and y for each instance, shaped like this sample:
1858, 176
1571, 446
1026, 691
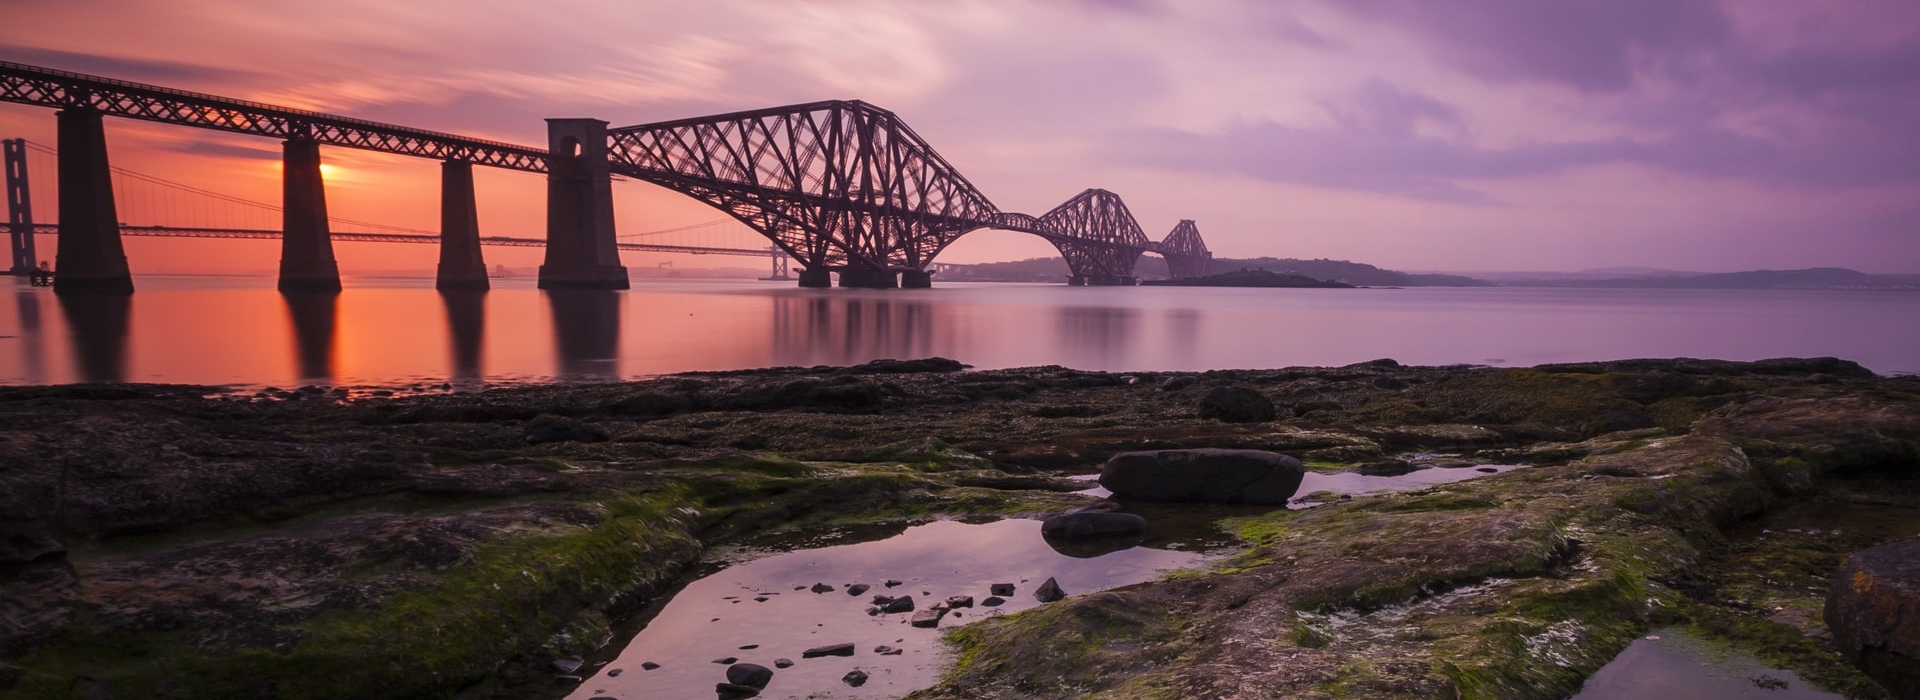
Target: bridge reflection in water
466, 327
227, 330
586, 332
98, 326
313, 315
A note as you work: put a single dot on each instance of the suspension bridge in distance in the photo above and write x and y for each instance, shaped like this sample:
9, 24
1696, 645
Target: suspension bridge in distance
841, 187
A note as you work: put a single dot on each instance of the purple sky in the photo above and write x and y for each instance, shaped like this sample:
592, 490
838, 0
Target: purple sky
1461, 135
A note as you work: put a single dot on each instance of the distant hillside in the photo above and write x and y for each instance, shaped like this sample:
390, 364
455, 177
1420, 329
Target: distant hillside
1809, 278
1154, 267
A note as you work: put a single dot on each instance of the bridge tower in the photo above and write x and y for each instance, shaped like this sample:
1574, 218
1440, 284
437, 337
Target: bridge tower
582, 252
461, 265
306, 242
90, 257
19, 207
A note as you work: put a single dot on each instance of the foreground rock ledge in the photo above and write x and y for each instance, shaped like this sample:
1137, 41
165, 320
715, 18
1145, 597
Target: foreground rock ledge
1874, 610
165, 544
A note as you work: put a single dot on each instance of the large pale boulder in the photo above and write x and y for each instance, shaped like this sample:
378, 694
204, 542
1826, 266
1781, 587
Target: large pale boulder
1873, 610
1203, 476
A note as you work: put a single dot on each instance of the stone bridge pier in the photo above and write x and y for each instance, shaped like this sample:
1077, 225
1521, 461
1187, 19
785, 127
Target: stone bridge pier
582, 252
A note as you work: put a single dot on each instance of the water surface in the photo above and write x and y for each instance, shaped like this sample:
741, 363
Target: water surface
399, 331
716, 615
1671, 664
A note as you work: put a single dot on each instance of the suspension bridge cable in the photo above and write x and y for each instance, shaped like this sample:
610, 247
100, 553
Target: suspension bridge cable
163, 182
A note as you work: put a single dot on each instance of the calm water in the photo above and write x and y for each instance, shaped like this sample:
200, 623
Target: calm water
386, 331
1671, 664
767, 604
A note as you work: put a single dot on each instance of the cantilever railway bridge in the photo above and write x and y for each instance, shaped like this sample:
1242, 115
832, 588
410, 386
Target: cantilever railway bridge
840, 186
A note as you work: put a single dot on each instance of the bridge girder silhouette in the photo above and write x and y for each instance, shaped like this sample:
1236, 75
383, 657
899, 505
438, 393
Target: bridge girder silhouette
846, 186
841, 186
58, 89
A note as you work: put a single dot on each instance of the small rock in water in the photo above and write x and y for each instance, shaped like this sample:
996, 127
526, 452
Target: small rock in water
648, 665
1049, 592
829, 650
751, 675
891, 583
725, 660
857, 589
750, 646
782, 663
822, 588
567, 665
732, 691
898, 605
1001, 589
960, 601
760, 599
993, 601
614, 672
1489, 470
855, 678
885, 650
799, 588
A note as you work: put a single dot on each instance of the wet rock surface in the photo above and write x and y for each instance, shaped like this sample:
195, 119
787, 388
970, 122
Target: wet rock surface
284, 544
1203, 476
1236, 404
1874, 612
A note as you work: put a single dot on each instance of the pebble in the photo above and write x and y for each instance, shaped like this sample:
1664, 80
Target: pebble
855, 678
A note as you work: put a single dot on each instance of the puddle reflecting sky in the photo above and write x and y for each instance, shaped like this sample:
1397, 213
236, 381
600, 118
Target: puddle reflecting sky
1677, 666
1355, 484
935, 561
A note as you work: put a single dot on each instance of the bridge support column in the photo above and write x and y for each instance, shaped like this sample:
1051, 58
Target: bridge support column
916, 279
89, 257
19, 208
306, 242
461, 266
582, 252
816, 278
868, 279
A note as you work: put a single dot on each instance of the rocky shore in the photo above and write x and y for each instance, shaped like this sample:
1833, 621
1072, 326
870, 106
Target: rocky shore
184, 542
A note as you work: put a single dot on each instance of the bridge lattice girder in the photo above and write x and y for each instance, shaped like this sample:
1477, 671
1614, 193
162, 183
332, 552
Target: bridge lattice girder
1185, 251
46, 87
1096, 234
840, 184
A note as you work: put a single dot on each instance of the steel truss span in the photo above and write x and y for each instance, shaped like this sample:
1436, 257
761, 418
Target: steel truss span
846, 185
46, 87
840, 184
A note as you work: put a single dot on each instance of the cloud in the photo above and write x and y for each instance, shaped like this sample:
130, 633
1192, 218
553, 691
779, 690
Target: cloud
1376, 143
1591, 45
131, 69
